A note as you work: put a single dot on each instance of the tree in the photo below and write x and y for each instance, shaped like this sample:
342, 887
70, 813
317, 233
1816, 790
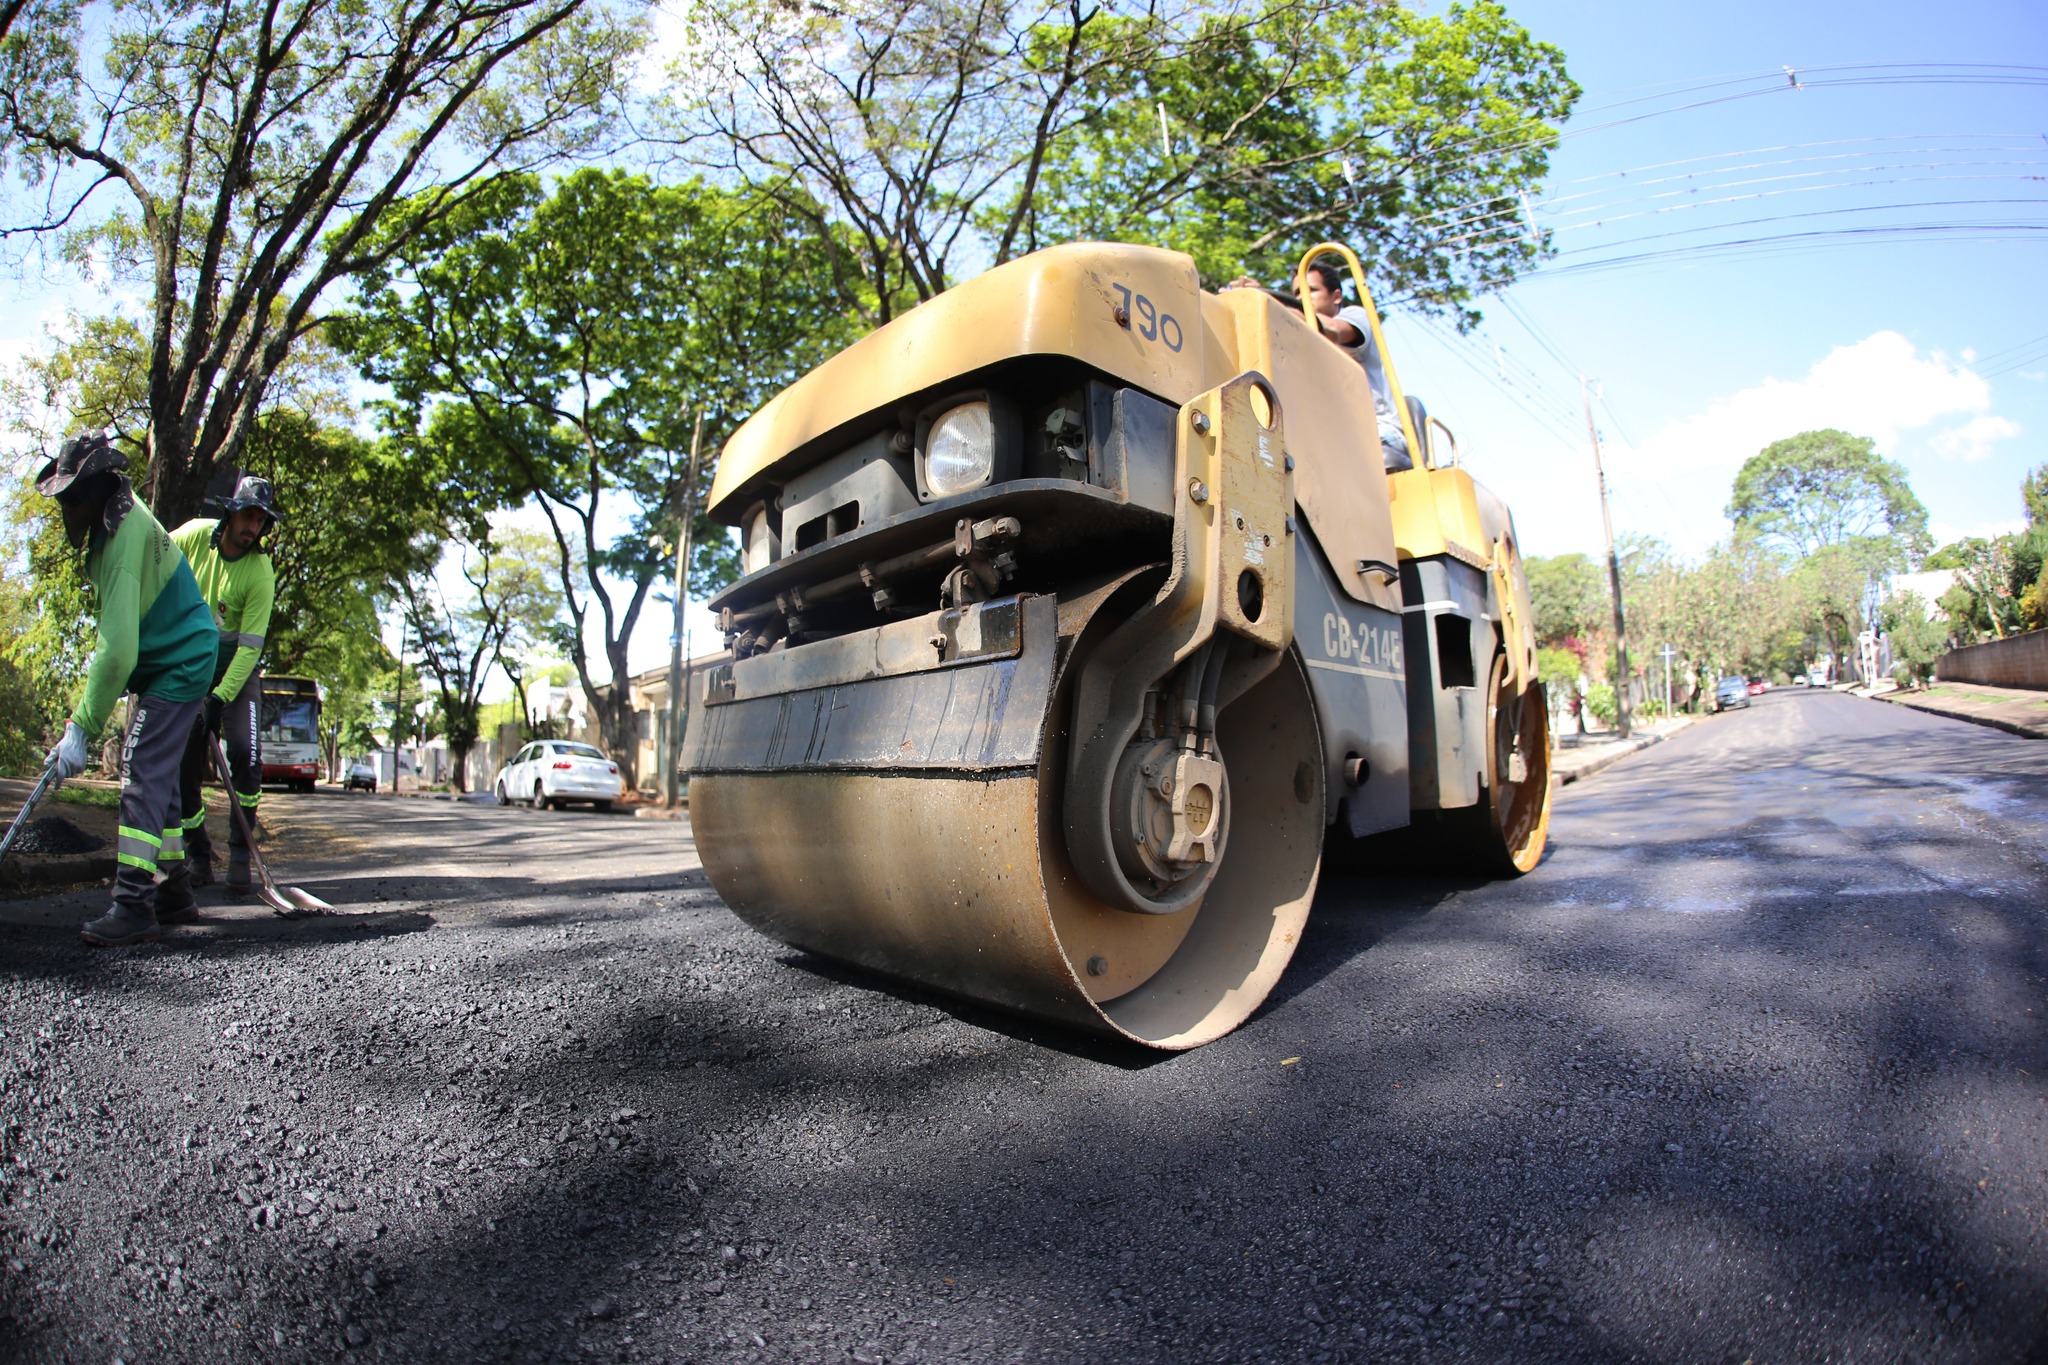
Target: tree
2034, 493
361, 518
1569, 596
508, 606
1828, 488
558, 349
460, 640
1983, 601
1918, 637
532, 630
256, 151
1280, 124
25, 723
950, 135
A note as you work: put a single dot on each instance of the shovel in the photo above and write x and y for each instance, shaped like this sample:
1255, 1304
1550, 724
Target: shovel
291, 902
43, 786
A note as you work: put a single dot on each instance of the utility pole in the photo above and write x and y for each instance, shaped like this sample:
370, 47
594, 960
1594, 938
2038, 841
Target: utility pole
1613, 569
675, 639
1669, 654
398, 706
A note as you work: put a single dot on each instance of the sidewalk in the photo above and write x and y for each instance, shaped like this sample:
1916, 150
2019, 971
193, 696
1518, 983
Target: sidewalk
1570, 761
2016, 710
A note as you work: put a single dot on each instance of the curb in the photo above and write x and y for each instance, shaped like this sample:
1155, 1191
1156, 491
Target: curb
1991, 722
1634, 745
65, 870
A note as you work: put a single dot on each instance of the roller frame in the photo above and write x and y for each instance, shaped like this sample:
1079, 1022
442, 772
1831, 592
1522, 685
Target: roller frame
1233, 516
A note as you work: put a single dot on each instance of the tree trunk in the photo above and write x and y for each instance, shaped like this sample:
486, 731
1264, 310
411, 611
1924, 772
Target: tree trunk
458, 754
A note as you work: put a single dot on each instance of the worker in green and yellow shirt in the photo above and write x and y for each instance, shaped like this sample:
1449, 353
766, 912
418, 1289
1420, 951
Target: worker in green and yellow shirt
155, 640
238, 585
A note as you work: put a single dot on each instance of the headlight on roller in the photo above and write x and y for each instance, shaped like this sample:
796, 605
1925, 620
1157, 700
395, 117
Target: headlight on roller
960, 452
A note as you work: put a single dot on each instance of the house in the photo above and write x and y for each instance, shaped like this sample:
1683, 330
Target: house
648, 692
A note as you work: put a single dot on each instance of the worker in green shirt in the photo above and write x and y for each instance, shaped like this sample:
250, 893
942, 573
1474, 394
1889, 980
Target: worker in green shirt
156, 640
238, 585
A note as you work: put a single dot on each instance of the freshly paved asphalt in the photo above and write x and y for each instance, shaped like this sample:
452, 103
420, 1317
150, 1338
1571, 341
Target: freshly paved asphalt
1750, 1068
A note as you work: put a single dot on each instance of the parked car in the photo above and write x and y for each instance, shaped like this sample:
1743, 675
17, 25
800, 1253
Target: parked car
1730, 693
553, 771
1759, 686
360, 777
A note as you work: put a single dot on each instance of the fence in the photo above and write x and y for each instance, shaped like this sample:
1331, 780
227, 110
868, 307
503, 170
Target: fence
2016, 661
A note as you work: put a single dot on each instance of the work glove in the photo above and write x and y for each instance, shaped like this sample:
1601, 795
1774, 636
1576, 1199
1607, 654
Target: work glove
68, 758
215, 707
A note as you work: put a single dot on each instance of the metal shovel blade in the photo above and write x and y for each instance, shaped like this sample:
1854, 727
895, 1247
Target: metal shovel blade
41, 789
290, 902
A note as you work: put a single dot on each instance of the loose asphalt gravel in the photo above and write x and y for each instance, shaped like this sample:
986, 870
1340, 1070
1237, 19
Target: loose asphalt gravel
53, 834
1750, 1068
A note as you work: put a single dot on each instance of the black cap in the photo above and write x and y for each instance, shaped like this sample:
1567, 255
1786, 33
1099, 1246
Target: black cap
78, 458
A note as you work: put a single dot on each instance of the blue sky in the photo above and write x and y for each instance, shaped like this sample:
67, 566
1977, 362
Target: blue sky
1704, 358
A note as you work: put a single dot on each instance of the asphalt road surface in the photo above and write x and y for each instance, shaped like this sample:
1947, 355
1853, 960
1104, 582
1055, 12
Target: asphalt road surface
1751, 1068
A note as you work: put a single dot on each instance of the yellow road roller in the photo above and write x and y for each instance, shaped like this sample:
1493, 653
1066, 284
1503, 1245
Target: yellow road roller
1079, 615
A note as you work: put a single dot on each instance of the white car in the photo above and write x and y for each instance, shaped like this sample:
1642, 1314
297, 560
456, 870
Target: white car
552, 771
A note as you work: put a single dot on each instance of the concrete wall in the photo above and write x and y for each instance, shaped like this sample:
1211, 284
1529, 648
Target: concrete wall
2016, 661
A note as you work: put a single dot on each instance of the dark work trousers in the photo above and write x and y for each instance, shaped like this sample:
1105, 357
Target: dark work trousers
151, 846
245, 765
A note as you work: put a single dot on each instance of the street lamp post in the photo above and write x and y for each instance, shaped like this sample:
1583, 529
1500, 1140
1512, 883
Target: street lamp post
398, 706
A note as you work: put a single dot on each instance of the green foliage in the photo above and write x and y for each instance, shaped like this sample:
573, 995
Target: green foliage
53, 614
25, 722
1918, 639
209, 151
1600, 701
103, 798
1989, 599
1569, 596
556, 349
1290, 124
1823, 489
509, 605
2034, 495
949, 135
1558, 667
360, 517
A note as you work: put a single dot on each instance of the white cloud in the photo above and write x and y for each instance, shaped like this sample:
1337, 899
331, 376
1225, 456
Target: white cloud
1972, 441
1878, 387
1918, 406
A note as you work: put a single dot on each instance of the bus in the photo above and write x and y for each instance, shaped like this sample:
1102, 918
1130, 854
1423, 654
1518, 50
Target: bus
289, 722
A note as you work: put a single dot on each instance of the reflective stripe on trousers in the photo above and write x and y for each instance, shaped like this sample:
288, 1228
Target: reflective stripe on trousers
137, 848
151, 839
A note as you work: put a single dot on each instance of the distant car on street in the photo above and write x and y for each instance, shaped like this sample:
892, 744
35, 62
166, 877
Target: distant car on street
360, 777
1730, 693
1759, 686
1818, 676
553, 771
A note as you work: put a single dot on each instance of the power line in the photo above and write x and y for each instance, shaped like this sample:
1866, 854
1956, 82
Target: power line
1554, 207
1793, 242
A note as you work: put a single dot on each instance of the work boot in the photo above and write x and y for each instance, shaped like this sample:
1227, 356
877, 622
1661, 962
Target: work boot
175, 903
237, 884
199, 866
123, 926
